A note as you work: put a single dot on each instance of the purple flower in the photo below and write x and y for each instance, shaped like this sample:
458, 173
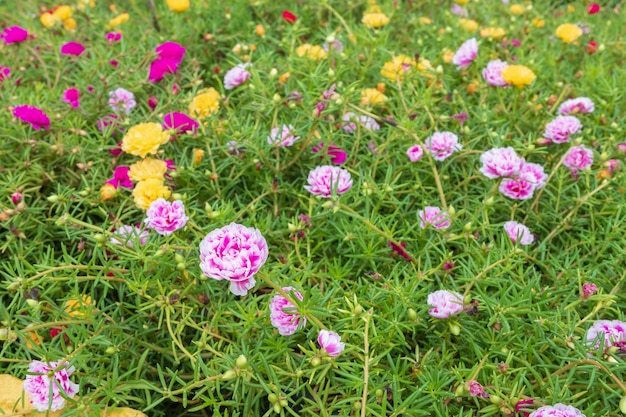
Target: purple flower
234, 253
44, 384
517, 188
576, 105
179, 122
415, 153
611, 331
284, 315
337, 155
557, 410
236, 76
72, 96
32, 115
120, 177
5, 72
445, 304
326, 180
72, 48
500, 162
434, 216
122, 100
165, 217
466, 54
113, 37
129, 235
352, 119
560, 129
282, 136
492, 73
578, 158
518, 233
442, 144
14, 34
588, 289
331, 343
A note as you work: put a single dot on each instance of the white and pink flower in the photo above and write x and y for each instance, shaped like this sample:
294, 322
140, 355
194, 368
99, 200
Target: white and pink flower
518, 233
236, 76
578, 158
351, 122
326, 180
517, 188
122, 100
576, 106
442, 144
557, 410
330, 342
165, 217
45, 382
415, 153
282, 136
501, 162
435, 217
129, 235
561, 128
284, 315
445, 304
466, 54
492, 73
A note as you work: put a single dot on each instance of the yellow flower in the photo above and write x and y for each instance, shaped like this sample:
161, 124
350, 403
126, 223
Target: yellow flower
32, 339
311, 51
206, 103
62, 12
259, 30
145, 192
461, 1
178, 5
516, 9
424, 67
425, 20
492, 33
78, 307
372, 97
375, 20
568, 32
447, 55
47, 19
470, 25
396, 68
118, 20
107, 192
198, 154
538, 23
570, 8
144, 139
69, 24
518, 75
146, 169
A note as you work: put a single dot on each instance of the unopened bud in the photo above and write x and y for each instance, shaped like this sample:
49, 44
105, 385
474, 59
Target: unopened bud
111, 350
32, 303
315, 361
622, 404
181, 266
273, 73
272, 398
179, 258
277, 408
228, 375
53, 198
99, 237
467, 227
489, 202
241, 362
455, 329
451, 211
412, 314
277, 99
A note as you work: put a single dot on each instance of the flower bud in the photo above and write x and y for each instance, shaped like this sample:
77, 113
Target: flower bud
460, 390
111, 350
177, 196
273, 73
467, 227
412, 314
179, 258
455, 329
283, 402
181, 266
53, 198
489, 202
32, 303
99, 237
496, 400
277, 408
276, 98
451, 211
241, 362
622, 404
272, 398
228, 375
315, 361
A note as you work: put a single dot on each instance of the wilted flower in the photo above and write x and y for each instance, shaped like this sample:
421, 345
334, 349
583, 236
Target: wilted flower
435, 217
588, 289
284, 315
518, 75
282, 136
578, 158
442, 144
44, 393
558, 410
560, 129
236, 76
466, 54
568, 32
518, 233
493, 73
445, 304
144, 139
352, 119
147, 191
122, 100
72, 48
32, 115
71, 96
415, 153
330, 342
327, 180
475, 389
576, 105
165, 217
14, 34
129, 235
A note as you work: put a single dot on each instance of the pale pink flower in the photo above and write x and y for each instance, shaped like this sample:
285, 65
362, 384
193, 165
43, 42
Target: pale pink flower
517, 188
330, 342
327, 180
442, 144
283, 315
588, 290
558, 410
129, 235
415, 153
445, 304
475, 389
613, 165
32, 115
576, 105
500, 162
492, 73
236, 76
611, 331
235, 253
122, 100
45, 382
466, 54
434, 216
14, 34
578, 158
72, 96
165, 217
458, 10
351, 121
518, 233
534, 174
560, 129
282, 136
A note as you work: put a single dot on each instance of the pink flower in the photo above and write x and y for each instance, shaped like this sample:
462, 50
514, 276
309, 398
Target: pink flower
578, 158
588, 290
179, 122
352, 119
44, 393
120, 177
576, 105
517, 188
458, 10
445, 304
337, 155
122, 100
492, 73
129, 235
518, 233
33, 116
234, 253
475, 389
327, 180
236, 76
160, 67
500, 162
611, 331
16, 198
284, 315
613, 165
165, 217
415, 153
153, 102
5, 72
335, 46
72, 96
282, 136
109, 120
14, 34
522, 405
558, 410
171, 50
533, 173
434, 216
331, 343
466, 54
72, 48
560, 129
112, 37
442, 144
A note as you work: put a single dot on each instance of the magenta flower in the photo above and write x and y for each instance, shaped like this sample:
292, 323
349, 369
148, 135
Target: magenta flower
493, 73
466, 54
5, 72
120, 177
129, 236
72, 48
122, 100
337, 155
72, 96
576, 105
171, 50
282, 136
180, 122
517, 188
445, 304
351, 120
165, 217
558, 410
14, 34
109, 120
534, 174
284, 315
234, 253
331, 343
518, 233
500, 162
560, 129
16, 198
611, 331
578, 158
588, 289
327, 180
442, 144
44, 383
236, 76
415, 153
160, 67
435, 217
113, 37
33, 116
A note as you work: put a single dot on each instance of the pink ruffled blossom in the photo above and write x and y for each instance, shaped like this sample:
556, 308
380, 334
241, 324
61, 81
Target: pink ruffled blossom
32, 115
576, 105
326, 180
561, 128
129, 236
578, 158
611, 331
5, 72
165, 217
475, 389
235, 253
14, 34
435, 217
336, 154
180, 122
72, 48
518, 233
330, 342
517, 188
335, 46
557, 410
492, 73
236, 76
445, 304
351, 120
534, 174
120, 177
47, 385
282, 136
500, 162
415, 153
588, 289
122, 100
284, 315
113, 37
442, 144
72, 96
466, 54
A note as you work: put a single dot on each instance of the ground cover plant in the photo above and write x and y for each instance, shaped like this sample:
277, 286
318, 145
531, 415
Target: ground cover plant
256, 208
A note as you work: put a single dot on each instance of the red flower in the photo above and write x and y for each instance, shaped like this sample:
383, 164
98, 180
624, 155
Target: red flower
592, 47
289, 17
593, 8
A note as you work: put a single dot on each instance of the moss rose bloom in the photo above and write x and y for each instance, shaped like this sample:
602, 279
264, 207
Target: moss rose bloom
206, 103
33, 116
14, 34
493, 73
445, 304
284, 315
282, 136
557, 410
434, 216
466, 54
147, 191
500, 162
560, 129
165, 217
331, 343
144, 139
236, 76
148, 168
235, 253
611, 331
442, 144
578, 158
518, 233
44, 393
568, 32
327, 180
518, 75
576, 105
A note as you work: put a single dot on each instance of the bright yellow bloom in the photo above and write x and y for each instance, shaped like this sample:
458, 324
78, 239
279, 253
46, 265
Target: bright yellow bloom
518, 75
396, 68
375, 20
107, 192
516, 9
146, 169
538, 23
311, 51
77, 307
492, 33
144, 139
447, 55
425, 67
47, 19
62, 12
568, 32
198, 154
178, 5
118, 20
372, 97
69, 24
145, 192
425, 20
570, 8
206, 103
470, 25
461, 1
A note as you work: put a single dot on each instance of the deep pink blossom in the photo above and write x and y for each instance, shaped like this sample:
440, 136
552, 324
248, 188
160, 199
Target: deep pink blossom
578, 158
235, 253
351, 120
171, 50
72, 48
560, 129
577, 105
557, 410
5, 72
14, 34
492, 73
534, 174
466, 54
283, 315
122, 100
611, 331
72, 96
435, 217
109, 120
47, 385
518, 233
415, 153
160, 67
517, 188
180, 122
129, 235
120, 177
330, 342
165, 217
500, 162
114, 63
337, 155
153, 102
442, 144
16, 198
32, 115
113, 37
445, 304
522, 405
326, 180
588, 289
236, 76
